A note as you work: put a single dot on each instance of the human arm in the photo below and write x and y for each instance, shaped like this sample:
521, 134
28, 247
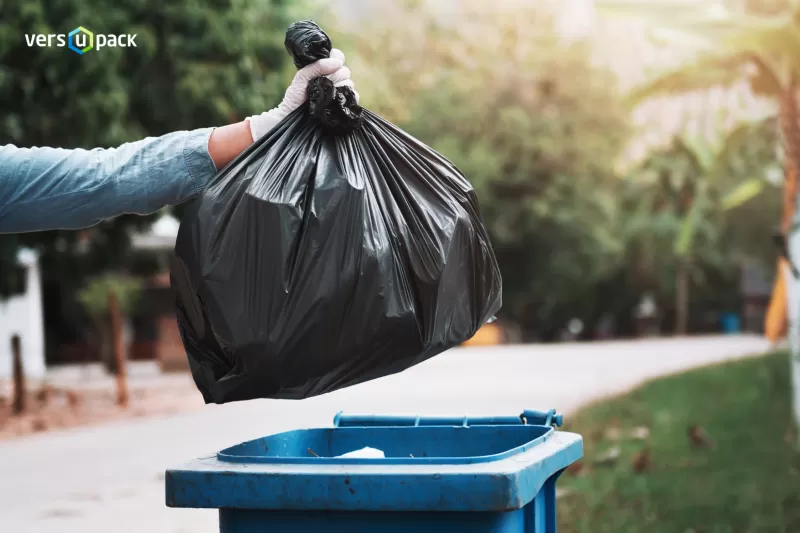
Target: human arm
54, 188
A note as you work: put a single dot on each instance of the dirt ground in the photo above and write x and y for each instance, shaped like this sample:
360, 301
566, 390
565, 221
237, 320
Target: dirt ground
73, 397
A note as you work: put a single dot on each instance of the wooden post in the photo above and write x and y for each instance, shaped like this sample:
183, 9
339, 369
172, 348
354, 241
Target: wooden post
119, 349
19, 394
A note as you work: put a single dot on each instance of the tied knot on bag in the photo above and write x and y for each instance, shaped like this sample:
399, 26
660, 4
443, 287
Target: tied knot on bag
306, 43
335, 108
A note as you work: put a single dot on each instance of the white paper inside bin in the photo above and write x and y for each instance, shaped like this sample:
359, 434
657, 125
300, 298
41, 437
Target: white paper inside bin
365, 453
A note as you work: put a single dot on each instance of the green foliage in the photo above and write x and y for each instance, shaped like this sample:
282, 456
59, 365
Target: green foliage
535, 128
730, 42
95, 295
747, 482
749, 225
714, 184
744, 192
685, 203
197, 63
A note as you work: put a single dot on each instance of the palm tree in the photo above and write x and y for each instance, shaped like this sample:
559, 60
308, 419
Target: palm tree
733, 44
687, 187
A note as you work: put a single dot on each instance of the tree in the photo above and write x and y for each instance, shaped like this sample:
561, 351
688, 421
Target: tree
735, 44
680, 197
732, 45
196, 64
535, 128
96, 298
486, 88
762, 47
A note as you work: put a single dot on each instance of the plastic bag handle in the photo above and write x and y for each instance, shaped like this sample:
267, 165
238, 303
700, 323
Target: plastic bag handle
306, 42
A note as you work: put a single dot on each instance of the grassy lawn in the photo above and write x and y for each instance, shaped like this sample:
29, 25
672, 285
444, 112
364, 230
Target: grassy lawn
742, 475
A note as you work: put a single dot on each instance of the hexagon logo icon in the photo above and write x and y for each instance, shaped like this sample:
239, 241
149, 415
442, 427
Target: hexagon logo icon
81, 40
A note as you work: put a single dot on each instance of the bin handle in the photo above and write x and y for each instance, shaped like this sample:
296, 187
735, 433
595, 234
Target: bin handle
529, 416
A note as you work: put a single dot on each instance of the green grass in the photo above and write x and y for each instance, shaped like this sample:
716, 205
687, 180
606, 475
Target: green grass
749, 483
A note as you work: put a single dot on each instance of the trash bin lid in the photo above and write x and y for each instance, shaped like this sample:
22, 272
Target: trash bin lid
430, 464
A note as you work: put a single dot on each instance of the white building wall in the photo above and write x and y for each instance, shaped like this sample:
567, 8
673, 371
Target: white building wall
22, 315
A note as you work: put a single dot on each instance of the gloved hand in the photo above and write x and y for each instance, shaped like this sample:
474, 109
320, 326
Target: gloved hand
332, 68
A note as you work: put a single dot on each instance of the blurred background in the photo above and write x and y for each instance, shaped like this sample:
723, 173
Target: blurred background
636, 166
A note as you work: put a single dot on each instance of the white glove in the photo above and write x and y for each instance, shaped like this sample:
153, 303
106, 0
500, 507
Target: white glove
332, 68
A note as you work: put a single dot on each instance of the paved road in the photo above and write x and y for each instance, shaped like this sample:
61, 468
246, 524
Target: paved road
109, 478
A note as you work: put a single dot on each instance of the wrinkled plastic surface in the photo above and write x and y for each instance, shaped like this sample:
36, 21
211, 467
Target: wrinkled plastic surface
318, 260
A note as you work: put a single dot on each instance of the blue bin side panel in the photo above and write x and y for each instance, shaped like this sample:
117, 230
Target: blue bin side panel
536, 517
246, 521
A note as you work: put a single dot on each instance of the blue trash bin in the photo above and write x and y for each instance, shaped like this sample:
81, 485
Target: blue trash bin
439, 474
731, 323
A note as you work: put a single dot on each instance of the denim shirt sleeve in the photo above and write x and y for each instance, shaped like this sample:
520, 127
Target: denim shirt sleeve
53, 188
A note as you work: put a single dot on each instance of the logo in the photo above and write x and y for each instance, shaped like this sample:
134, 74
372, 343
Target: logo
80, 40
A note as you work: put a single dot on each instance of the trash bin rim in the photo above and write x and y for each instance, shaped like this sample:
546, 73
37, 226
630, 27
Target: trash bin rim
491, 486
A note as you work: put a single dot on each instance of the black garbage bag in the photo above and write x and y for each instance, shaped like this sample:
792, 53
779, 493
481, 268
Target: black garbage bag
335, 250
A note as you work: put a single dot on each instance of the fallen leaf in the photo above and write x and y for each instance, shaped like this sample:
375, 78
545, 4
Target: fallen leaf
43, 395
608, 457
641, 461
640, 433
576, 467
73, 399
699, 438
